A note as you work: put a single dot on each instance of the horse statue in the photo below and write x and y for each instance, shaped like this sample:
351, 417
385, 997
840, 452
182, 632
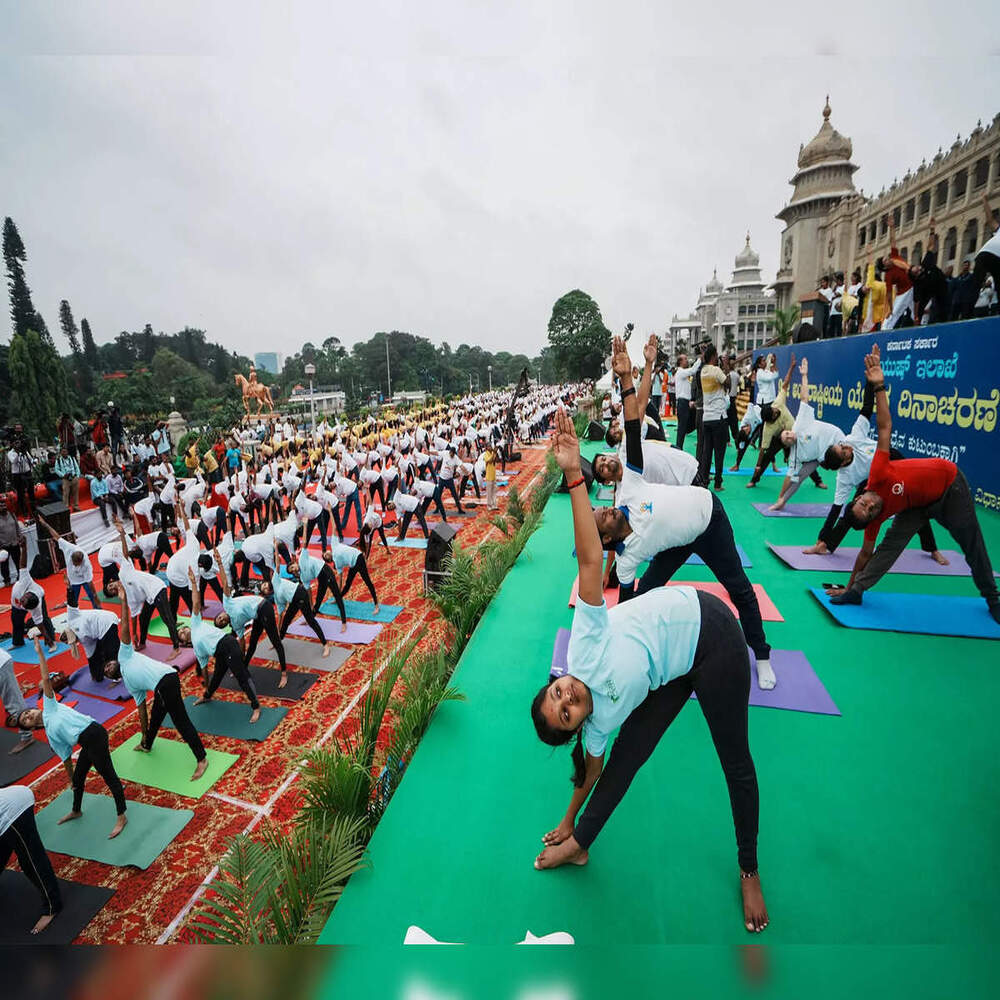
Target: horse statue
252, 389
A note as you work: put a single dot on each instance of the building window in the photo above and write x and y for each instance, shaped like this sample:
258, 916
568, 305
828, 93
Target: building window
883, 225
742, 328
951, 244
760, 327
861, 236
752, 310
970, 238
770, 307
871, 232
904, 253
743, 310
918, 251
980, 172
741, 345
925, 203
941, 194
897, 215
910, 210
960, 183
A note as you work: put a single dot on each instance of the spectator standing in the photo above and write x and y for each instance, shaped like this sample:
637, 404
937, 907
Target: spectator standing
66, 429
988, 259
116, 427
21, 473
11, 538
67, 468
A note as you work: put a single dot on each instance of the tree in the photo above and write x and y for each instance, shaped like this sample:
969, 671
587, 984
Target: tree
69, 329
784, 323
579, 339
728, 341
89, 347
22, 310
38, 384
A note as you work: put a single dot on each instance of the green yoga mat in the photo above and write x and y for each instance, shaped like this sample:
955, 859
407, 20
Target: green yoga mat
230, 718
147, 834
170, 766
158, 627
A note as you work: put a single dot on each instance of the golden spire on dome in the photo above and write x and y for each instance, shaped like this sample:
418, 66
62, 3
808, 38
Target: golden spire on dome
826, 109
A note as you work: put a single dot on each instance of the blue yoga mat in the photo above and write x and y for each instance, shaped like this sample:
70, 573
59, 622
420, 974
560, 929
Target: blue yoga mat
924, 614
749, 472
362, 611
408, 543
27, 654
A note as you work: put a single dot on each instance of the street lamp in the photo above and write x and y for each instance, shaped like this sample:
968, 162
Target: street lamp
489, 371
310, 371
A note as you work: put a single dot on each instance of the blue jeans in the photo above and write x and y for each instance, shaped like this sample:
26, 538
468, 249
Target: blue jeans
73, 594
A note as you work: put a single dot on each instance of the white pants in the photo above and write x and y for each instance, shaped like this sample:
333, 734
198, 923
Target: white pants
902, 302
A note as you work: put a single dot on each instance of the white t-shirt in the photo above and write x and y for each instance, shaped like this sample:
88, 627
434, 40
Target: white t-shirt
14, 799
682, 380
109, 554
83, 573
185, 558
992, 245
260, 548
661, 517
144, 507
90, 626
715, 395
767, 386
404, 501
752, 418
812, 438
24, 585
424, 488
624, 652
147, 543
851, 476
140, 588
664, 464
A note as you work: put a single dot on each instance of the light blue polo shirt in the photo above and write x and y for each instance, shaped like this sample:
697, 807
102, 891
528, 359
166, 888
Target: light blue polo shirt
241, 610
309, 568
625, 652
345, 555
204, 639
140, 673
63, 726
284, 591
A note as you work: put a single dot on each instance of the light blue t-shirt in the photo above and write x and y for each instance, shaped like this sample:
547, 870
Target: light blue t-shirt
204, 639
241, 610
63, 726
284, 591
656, 389
345, 555
309, 568
625, 652
140, 673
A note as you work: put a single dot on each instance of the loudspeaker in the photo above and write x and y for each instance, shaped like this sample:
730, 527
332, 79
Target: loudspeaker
596, 431
438, 549
57, 515
586, 470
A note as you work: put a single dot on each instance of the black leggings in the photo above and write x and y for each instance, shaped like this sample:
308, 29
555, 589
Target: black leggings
717, 548
448, 484
374, 488
19, 619
236, 515
106, 649
169, 618
301, 602
368, 537
262, 566
322, 524
360, 568
327, 581
167, 698
21, 838
266, 622
162, 549
743, 443
94, 753
720, 677
214, 584
229, 657
716, 437
405, 523
176, 593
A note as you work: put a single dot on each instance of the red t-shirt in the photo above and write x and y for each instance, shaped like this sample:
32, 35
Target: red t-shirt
895, 276
906, 483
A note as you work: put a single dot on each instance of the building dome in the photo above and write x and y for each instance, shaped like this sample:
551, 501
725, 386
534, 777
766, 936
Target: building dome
827, 144
747, 257
746, 268
714, 286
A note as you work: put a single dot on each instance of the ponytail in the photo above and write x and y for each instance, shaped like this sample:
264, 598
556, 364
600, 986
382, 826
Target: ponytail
559, 737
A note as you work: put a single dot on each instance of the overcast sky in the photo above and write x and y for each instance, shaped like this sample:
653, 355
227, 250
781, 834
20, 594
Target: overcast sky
448, 169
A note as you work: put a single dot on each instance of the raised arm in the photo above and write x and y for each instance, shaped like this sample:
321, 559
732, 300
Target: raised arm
804, 372
195, 593
222, 571
787, 381
589, 554
649, 353
126, 623
621, 364
873, 373
43, 666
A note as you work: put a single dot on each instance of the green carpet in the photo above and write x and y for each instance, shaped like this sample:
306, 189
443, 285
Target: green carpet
158, 627
877, 828
170, 765
148, 832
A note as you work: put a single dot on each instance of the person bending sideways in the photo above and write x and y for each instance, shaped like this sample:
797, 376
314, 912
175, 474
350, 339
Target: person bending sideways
97, 633
747, 433
19, 835
217, 648
635, 666
292, 598
911, 491
371, 524
12, 700
79, 570
852, 460
143, 675
351, 562
65, 727
665, 524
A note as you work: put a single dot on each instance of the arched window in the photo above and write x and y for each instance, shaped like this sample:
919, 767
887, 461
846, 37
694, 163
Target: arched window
941, 194
980, 172
862, 230
910, 210
950, 244
897, 215
970, 237
925, 203
960, 183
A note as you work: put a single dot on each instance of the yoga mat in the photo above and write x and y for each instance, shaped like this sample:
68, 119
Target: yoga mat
265, 680
147, 834
211, 609
300, 653
99, 710
610, 595
161, 650
230, 719
362, 611
768, 611
920, 614
21, 906
794, 510
357, 634
408, 543
158, 627
27, 654
170, 766
559, 664
696, 560
913, 561
768, 472
13, 767
82, 683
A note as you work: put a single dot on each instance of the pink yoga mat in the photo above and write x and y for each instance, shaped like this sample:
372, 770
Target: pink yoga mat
358, 633
912, 561
768, 611
161, 650
795, 510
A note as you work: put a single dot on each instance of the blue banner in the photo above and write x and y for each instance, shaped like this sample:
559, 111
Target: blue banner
944, 392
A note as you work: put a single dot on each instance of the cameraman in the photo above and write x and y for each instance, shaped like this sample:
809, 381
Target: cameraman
67, 468
21, 467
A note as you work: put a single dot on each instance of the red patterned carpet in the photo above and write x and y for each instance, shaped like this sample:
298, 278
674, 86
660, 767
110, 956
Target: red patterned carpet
147, 904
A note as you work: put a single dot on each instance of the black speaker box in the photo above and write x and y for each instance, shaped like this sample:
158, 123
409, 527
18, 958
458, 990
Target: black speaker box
586, 469
438, 549
57, 514
596, 431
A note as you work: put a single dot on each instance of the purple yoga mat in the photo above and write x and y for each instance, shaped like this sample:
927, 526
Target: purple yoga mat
559, 651
912, 561
357, 633
161, 650
211, 609
795, 510
99, 711
82, 683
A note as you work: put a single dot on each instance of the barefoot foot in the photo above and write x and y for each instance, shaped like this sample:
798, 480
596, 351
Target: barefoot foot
327, 646
766, 679
755, 917
43, 921
939, 558
283, 679
69, 816
254, 715
569, 852
118, 827
200, 769
174, 654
